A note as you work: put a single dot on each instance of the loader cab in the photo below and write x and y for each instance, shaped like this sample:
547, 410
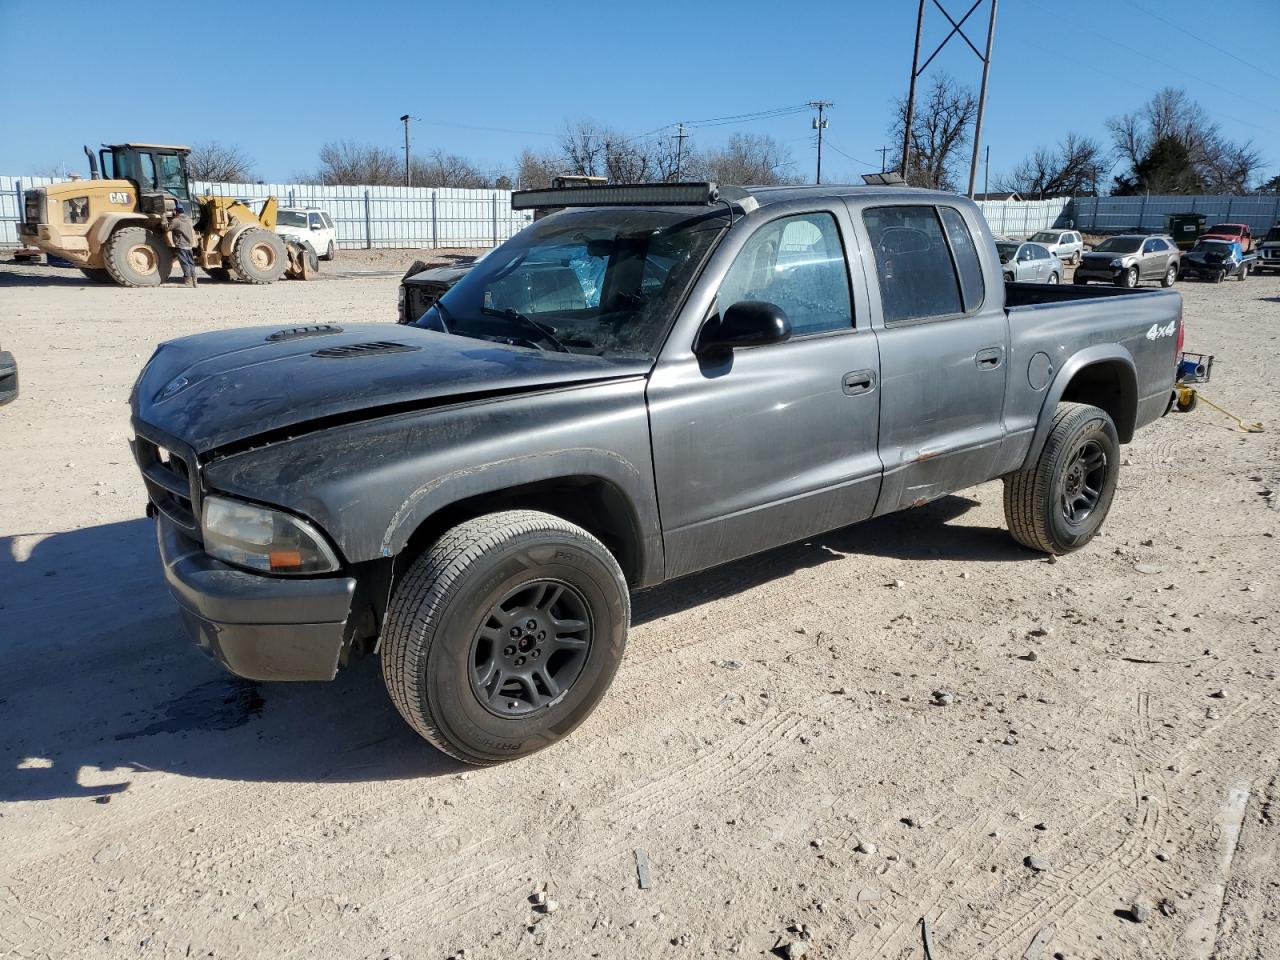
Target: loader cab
156, 169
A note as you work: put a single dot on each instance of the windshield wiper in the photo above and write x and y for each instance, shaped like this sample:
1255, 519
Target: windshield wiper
543, 332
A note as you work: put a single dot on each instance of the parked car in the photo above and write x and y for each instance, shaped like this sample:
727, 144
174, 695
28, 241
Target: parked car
8, 378
691, 375
1216, 260
1129, 259
1028, 263
1269, 251
421, 286
310, 225
1066, 245
1237, 232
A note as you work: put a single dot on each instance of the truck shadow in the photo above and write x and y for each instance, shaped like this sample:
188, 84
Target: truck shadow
38, 277
100, 682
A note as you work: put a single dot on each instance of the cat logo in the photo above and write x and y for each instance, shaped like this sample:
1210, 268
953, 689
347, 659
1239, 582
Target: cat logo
119, 196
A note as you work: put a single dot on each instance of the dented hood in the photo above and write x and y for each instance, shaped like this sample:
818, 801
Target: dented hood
216, 389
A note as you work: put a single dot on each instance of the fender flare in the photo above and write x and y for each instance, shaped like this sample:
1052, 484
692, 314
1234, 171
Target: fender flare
1090, 356
107, 225
623, 477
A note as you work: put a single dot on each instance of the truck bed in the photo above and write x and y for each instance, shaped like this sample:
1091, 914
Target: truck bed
1038, 294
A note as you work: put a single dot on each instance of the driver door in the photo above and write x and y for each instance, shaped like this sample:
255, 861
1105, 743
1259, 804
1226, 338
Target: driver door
772, 443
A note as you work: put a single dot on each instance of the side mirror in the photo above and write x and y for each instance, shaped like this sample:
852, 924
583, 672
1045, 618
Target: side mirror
748, 323
316, 226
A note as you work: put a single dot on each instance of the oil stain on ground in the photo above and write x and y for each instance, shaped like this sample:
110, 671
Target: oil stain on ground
221, 704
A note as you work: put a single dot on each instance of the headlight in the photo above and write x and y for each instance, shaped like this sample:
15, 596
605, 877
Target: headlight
247, 535
1117, 262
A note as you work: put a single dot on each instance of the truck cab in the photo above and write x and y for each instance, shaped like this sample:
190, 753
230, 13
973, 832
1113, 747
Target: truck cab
1269, 251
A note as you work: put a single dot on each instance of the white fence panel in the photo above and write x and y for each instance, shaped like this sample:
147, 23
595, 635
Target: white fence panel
1021, 218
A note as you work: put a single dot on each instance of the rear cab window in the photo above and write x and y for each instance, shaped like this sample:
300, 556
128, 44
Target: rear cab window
926, 271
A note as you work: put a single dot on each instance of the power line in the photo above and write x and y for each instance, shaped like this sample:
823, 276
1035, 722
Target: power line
849, 156
1207, 43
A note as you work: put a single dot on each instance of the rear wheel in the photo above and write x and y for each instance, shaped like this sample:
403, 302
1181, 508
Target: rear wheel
96, 274
504, 635
137, 257
1244, 271
259, 256
1220, 276
1053, 278
1128, 279
332, 252
1058, 504
1170, 276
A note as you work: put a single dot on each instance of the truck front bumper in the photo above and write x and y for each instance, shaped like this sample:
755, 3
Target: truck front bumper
258, 627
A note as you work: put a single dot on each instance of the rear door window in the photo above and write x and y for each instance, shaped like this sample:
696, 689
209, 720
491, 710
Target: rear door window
913, 263
968, 262
796, 263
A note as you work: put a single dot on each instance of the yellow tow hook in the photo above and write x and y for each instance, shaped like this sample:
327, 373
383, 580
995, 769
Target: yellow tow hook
1189, 396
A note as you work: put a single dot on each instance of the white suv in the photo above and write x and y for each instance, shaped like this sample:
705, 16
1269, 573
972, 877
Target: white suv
311, 225
1066, 245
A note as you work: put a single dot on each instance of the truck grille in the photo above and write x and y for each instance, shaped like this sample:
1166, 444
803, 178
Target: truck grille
170, 478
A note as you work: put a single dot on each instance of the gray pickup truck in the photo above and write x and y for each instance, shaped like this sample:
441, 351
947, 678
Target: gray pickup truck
650, 382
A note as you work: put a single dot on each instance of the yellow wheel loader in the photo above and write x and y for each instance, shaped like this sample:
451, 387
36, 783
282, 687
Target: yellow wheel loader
112, 226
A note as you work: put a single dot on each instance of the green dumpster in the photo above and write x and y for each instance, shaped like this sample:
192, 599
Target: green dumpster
1185, 228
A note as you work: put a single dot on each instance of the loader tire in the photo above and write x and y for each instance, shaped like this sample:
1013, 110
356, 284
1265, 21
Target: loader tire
1059, 503
259, 256
137, 257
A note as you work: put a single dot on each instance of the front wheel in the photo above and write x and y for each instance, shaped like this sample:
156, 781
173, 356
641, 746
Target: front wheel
1058, 504
259, 256
1170, 276
1053, 278
1244, 271
504, 635
1128, 279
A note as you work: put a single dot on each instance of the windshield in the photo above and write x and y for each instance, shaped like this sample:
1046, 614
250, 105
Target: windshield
1119, 245
601, 282
287, 218
1007, 251
1044, 236
1273, 235
1229, 229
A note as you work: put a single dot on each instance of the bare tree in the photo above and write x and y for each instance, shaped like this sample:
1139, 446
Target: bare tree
939, 132
347, 162
746, 159
1072, 167
442, 169
1222, 165
220, 163
536, 170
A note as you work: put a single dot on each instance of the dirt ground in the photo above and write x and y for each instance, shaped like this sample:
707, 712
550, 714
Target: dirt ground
771, 742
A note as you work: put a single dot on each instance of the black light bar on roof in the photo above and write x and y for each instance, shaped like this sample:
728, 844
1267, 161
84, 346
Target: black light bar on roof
619, 195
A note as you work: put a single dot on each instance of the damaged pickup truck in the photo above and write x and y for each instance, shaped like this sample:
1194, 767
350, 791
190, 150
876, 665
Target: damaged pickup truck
653, 381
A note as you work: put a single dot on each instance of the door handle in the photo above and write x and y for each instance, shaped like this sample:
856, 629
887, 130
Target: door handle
858, 381
989, 358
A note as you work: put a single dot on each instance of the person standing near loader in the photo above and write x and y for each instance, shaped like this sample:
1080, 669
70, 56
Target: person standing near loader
182, 236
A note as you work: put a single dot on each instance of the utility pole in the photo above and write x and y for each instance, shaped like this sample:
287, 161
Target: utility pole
911, 96
986, 177
982, 98
680, 138
884, 153
408, 176
820, 124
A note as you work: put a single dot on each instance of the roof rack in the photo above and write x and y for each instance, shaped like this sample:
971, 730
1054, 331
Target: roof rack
629, 195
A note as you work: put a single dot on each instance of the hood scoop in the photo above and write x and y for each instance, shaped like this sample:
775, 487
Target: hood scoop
372, 348
298, 333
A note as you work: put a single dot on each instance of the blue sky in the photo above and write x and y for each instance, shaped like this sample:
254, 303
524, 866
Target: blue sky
281, 79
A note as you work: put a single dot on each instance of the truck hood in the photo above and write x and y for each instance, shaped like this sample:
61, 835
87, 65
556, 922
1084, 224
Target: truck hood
1105, 258
216, 389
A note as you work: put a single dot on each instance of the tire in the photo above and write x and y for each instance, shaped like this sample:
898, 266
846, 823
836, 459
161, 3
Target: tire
259, 256
137, 257
1189, 405
1036, 499
221, 274
1129, 279
1076, 258
1053, 278
96, 274
332, 252
1244, 271
1170, 276
474, 576
1220, 276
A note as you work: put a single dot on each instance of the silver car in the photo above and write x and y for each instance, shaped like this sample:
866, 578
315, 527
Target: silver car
1066, 245
1028, 263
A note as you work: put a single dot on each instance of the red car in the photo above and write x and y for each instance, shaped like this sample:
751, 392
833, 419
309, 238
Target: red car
1237, 232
